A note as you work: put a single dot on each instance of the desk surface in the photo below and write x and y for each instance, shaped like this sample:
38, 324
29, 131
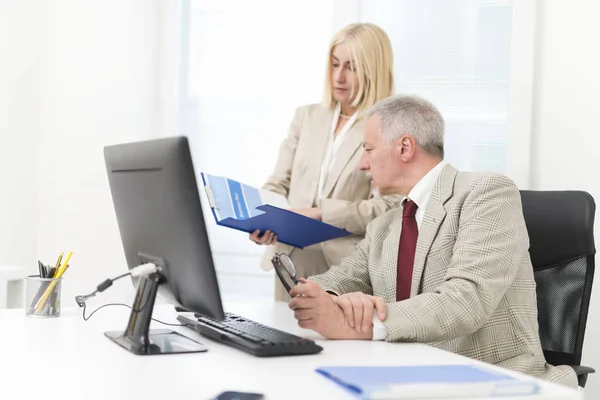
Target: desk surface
83, 364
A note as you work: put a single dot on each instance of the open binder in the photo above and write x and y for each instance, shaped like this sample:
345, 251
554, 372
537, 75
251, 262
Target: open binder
245, 208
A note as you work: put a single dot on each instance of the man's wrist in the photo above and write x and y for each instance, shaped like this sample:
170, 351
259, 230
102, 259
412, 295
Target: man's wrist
353, 334
368, 335
350, 333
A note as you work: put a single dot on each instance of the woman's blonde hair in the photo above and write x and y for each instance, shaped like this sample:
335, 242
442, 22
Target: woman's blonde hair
371, 52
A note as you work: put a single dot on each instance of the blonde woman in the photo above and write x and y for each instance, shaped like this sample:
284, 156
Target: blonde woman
317, 168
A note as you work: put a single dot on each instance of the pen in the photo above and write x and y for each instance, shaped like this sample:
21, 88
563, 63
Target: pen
45, 272
51, 307
40, 304
38, 295
51, 272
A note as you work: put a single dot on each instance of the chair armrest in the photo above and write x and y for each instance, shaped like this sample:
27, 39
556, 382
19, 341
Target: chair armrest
582, 373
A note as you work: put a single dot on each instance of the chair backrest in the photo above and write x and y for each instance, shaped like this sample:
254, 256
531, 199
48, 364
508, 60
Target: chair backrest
561, 233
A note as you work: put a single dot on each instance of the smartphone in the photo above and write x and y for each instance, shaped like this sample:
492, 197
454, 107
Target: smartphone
239, 396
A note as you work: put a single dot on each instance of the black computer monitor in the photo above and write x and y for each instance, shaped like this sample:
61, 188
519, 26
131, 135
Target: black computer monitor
160, 220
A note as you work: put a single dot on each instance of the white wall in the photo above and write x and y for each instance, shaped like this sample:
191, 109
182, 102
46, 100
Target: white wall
566, 134
19, 130
80, 75
98, 88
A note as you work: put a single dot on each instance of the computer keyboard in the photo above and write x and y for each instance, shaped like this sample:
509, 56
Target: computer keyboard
250, 336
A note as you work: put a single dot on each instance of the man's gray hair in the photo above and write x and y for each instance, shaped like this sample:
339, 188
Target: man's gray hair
411, 115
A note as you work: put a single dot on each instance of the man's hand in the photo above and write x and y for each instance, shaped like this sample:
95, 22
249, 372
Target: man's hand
314, 213
315, 309
267, 238
359, 309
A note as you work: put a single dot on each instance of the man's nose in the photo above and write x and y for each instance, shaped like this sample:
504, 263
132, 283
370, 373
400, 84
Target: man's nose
363, 164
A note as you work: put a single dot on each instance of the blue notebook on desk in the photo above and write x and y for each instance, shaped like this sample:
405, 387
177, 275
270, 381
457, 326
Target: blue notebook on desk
245, 208
428, 382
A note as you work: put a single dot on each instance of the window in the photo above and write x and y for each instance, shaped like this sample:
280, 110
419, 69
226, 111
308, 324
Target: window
249, 65
457, 55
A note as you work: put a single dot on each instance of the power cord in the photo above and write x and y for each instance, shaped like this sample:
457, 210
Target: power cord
141, 270
124, 305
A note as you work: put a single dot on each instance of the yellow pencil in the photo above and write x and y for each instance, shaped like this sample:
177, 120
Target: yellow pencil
59, 260
63, 267
59, 273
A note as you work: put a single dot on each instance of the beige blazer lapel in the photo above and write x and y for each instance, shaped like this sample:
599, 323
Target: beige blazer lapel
347, 149
432, 219
390, 255
319, 129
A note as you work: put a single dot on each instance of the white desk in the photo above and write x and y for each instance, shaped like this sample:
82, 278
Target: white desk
83, 364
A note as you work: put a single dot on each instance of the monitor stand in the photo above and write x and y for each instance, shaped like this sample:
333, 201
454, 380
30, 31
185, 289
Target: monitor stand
138, 338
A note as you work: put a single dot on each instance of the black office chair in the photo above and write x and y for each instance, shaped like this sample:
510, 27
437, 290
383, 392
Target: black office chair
561, 234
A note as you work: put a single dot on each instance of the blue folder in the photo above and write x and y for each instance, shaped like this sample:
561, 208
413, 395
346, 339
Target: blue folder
239, 206
422, 382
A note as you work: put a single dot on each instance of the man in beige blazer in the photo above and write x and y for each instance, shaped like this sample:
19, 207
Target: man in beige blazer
462, 281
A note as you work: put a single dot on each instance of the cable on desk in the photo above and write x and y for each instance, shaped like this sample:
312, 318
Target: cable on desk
140, 270
85, 318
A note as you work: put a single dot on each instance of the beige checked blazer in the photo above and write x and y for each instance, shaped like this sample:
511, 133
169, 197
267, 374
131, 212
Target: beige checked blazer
473, 291
347, 202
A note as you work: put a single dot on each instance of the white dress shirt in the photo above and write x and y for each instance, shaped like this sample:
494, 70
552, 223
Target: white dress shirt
333, 145
420, 194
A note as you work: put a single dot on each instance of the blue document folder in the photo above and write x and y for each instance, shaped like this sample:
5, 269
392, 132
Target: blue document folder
245, 208
428, 382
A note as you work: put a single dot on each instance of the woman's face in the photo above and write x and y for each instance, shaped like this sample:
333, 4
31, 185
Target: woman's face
344, 80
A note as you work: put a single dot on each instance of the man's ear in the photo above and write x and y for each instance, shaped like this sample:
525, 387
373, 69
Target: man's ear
406, 147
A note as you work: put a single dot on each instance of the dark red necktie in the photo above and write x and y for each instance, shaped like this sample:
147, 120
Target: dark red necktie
406, 250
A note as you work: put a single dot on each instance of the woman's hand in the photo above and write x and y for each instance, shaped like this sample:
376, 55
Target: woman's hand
314, 213
268, 238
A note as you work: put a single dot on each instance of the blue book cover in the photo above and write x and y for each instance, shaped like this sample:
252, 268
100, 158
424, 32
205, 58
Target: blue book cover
243, 207
422, 382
